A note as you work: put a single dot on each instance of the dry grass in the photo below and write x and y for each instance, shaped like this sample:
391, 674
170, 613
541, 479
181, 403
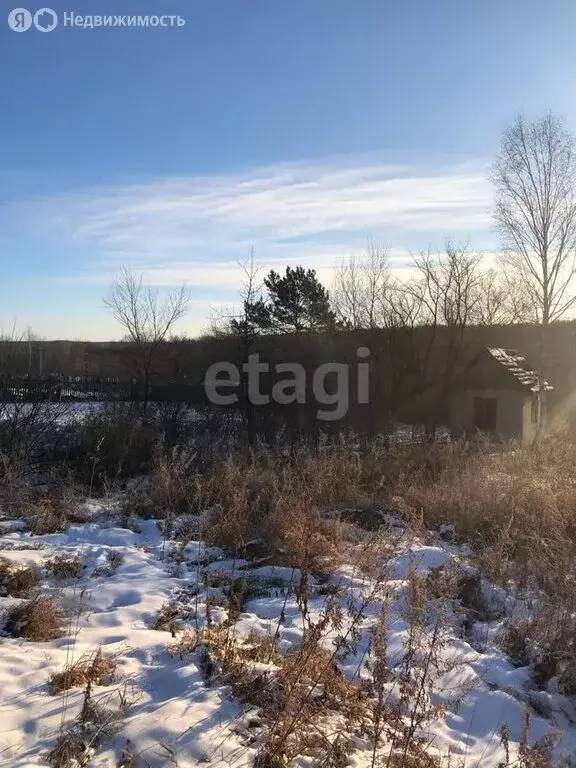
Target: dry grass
172, 482
516, 498
278, 503
536, 755
166, 620
186, 644
309, 541
16, 580
310, 709
15, 493
65, 566
70, 750
52, 513
516, 505
96, 668
170, 617
113, 561
97, 722
171, 489
38, 620
231, 649
186, 530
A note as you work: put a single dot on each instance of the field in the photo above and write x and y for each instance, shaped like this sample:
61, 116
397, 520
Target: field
353, 605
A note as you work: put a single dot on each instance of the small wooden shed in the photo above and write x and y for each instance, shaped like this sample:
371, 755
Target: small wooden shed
497, 394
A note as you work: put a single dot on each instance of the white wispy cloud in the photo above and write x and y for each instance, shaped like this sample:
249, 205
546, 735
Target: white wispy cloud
195, 228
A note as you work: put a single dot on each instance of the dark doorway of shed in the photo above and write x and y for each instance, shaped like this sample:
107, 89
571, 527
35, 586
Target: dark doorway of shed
485, 413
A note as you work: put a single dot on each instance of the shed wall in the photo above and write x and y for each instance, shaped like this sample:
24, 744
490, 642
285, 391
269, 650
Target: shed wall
513, 412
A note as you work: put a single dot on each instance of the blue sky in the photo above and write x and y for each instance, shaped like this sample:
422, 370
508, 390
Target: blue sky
301, 128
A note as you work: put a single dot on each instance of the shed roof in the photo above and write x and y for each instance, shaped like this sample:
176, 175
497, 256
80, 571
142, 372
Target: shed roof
516, 364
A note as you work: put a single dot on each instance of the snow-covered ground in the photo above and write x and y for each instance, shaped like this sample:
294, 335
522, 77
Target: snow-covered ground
54, 414
174, 717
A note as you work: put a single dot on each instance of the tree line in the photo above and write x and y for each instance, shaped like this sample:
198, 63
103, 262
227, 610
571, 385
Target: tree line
534, 183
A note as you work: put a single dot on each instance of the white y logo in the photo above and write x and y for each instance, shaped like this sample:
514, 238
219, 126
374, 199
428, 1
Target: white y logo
20, 20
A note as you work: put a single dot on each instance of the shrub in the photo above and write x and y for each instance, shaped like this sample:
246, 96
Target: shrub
311, 542
95, 668
38, 620
53, 511
112, 444
567, 677
186, 530
170, 617
32, 437
70, 750
138, 503
514, 641
15, 580
114, 561
65, 566
276, 501
96, 723
171, 490
172, 482
186, 644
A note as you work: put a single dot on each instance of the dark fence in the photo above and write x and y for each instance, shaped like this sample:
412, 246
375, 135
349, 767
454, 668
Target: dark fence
92, 389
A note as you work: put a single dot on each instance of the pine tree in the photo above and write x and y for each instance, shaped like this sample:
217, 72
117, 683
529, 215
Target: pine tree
297, 303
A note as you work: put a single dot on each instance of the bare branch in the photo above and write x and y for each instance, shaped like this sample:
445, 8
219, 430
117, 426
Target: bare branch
535, 211
146, 317
361, 287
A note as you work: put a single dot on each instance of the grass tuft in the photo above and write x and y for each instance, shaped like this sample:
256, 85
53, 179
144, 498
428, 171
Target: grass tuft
96, 668
38, 620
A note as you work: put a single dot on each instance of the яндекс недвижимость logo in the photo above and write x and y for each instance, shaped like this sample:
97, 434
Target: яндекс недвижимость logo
21, 19
46, 19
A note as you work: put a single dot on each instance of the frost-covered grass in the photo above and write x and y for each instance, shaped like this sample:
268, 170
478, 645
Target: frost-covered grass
230, 657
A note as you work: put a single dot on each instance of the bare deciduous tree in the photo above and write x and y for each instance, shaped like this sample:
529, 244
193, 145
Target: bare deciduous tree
446, 285
361, 287
241, 325
500, 300
147, 319
534, 178
446, 292
246, 330
491, 301
239, 322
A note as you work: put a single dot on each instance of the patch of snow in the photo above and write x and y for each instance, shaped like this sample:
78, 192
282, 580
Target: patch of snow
173, 711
